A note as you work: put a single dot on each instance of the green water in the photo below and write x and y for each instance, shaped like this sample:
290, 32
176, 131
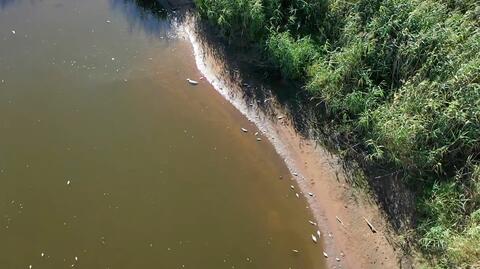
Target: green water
109, 159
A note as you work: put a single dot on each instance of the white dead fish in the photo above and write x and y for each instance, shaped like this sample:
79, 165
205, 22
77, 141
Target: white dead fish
314, 239
259, 139
256, 133
191, 81
319, 234
13, 32
292, 187
76, 258
310, 194
313, 223
325, 254
295, 174
296, 194
108, 21
280, 117
68, 182
244, 130
337, 259
295, 251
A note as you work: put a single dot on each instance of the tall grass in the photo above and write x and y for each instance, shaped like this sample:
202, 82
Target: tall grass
401, 78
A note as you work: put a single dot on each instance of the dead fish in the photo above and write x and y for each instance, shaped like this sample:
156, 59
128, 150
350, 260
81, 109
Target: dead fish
313, 223
244, 130
256, 133
13, 32
193, 82
325, 254
296, 194
295, 251
337, 259
295, 174
319, 234
259, 139
310, 194
68, 182
280, 117
314, 239
292, 187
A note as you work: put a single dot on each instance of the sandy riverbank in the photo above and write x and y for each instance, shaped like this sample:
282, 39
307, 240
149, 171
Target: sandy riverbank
338, 209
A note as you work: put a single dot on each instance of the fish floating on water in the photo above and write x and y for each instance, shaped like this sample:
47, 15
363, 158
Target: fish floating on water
314, 238
193, 82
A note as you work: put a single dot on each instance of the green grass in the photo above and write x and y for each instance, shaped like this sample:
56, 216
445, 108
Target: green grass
399, 77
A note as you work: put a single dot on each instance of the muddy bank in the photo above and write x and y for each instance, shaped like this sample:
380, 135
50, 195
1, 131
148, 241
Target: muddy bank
340, 211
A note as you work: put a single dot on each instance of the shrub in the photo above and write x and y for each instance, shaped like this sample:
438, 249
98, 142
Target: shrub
290, 55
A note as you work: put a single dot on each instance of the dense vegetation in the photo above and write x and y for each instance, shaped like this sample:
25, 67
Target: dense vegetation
399, 77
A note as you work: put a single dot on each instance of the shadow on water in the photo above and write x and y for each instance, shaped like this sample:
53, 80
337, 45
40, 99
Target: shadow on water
149, 16
6, 3
152, 16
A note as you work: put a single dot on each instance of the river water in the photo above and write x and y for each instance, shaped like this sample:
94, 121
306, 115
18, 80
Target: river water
110, 159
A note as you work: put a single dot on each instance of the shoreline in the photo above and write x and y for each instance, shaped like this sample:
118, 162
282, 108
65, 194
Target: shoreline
339, 211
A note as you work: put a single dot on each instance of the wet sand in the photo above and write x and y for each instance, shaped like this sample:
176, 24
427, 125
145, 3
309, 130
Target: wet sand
339, 209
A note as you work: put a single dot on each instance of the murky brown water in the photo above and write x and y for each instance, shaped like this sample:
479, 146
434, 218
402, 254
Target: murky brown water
109, 159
